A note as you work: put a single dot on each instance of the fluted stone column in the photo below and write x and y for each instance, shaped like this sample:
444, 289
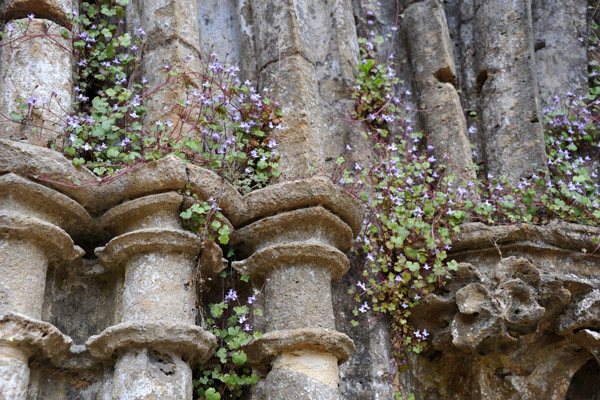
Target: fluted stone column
297, 254
284, 42
156, 336
37, 67
31, 238
508, 91
443, 118
173, 42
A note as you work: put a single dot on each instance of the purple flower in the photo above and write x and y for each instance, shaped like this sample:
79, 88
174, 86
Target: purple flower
31, 17
231, 296
364, 307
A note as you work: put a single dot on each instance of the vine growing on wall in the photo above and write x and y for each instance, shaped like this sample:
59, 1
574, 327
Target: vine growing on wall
417, 207
220, 123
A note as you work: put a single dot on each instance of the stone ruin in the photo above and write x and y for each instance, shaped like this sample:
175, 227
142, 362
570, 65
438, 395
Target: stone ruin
95, 301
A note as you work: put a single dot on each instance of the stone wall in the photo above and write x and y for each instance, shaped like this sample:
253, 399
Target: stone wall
93, 296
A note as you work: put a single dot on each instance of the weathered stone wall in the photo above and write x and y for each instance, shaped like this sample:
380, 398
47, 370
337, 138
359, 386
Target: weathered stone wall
93, 301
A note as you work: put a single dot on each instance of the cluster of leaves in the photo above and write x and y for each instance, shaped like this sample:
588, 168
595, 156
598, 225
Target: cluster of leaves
417, 207
232, 323
206, 220
219, 123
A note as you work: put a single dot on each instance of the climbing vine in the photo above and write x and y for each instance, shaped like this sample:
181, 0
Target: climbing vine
219, 123
417, 206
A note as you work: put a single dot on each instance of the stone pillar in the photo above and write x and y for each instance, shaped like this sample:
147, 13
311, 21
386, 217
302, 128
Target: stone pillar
434, 70
561, 58
35, 65
511, 125
297, 254
284, 44
31, 238
156, 336
173, 42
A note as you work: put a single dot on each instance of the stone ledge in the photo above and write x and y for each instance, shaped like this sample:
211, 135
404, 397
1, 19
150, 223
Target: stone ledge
561, 235
153, 211
271, 344
54, 10
190, 341
40, 338
315, 191
57, 244
32, 199
309, 224
148, 240
261, 263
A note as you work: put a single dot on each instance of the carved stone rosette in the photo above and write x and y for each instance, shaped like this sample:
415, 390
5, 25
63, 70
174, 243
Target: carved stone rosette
523, 308
156, 337
296, 253
33, 220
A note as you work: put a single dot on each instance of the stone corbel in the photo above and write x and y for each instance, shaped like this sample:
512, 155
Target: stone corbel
297, 253
156, 337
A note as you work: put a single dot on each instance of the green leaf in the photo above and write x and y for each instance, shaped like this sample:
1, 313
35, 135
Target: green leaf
16, 116
212, 394
239, 358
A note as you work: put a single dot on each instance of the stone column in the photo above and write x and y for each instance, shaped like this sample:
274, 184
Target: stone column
434, 70
173, 42
35, 65
156, 337
561, 58
511, 125
297, 254
31, 238
284, 43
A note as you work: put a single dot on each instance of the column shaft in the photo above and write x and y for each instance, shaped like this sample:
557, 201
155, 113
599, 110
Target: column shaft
14, 372
23, 268
38, 70
508, 91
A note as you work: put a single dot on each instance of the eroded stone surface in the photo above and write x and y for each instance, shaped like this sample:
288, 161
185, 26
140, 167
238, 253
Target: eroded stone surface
433, 66
189, 341
261, 264
40, 69
508, 90
28, 198
313, 224
54, 10
285, 384
40, 338
520, 312
14, 372
27, 245
561, 59
302, 193
298, 296
148, 240
144, 374
154, 211
271, 344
